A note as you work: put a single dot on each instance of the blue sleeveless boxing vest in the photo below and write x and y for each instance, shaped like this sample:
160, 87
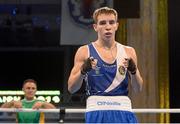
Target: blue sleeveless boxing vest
107, 79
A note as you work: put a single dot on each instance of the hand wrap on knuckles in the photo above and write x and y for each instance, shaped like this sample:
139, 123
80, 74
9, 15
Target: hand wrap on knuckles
86, 67
132, 67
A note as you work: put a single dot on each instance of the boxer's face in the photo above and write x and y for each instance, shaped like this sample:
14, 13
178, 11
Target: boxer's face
29, 89
106, 26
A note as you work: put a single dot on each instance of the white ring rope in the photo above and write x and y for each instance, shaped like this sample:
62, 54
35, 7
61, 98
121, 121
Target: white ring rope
144, 110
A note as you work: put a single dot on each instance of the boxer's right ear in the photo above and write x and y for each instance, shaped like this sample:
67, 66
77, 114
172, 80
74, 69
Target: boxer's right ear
95, 27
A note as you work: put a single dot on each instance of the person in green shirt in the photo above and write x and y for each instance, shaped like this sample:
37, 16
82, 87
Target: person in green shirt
29, 101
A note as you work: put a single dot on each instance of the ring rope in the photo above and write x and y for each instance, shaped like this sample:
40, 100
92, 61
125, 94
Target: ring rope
144, 110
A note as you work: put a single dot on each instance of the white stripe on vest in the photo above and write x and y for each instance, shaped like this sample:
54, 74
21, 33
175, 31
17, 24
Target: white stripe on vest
121, 54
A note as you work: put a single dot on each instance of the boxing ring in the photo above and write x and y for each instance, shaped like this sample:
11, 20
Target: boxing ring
63, 111
68, 110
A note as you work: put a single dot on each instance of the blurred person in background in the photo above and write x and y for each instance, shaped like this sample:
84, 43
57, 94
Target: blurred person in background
29, 88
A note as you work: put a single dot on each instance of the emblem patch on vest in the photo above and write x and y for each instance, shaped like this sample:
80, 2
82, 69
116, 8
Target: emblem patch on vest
121, 70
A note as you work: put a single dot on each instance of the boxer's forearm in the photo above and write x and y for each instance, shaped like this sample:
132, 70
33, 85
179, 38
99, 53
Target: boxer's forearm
137, 81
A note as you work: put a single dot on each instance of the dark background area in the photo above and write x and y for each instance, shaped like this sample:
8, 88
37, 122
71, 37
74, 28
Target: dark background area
44, 66
174, 58
127, 8
30, 24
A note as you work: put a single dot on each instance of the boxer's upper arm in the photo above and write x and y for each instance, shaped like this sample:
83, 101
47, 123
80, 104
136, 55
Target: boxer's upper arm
130, 51
80, 56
